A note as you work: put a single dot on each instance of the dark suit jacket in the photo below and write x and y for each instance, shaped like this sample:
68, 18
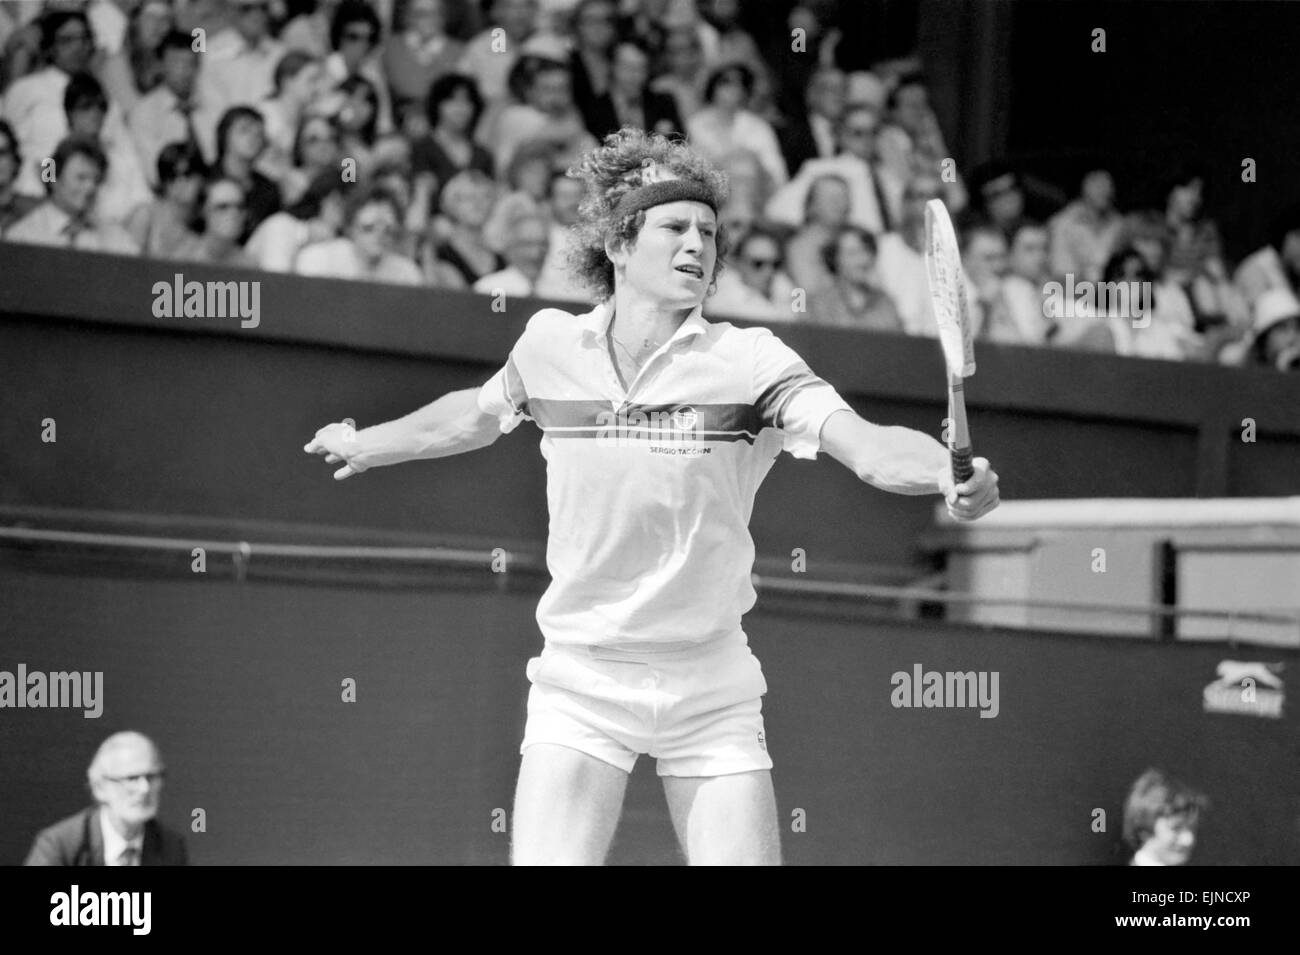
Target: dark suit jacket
660, 111
78, 840
797, 143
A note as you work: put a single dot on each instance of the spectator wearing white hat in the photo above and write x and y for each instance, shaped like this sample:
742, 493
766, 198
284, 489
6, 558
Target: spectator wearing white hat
1274, 339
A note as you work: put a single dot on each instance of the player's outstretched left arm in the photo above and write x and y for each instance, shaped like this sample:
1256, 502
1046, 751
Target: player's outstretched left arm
905, 461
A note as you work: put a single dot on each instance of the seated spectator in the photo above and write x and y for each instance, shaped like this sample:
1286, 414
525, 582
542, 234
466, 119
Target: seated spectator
308, 29
1277, 264
225, 212
239, 65
1274, 340
725, 40
748, 181
529, 180
66, 218
299, 82
316, 217
454, 107
525, 253
317, 148
392, 173
1085, 232
162, 225
685, 74
754, 287
490, 57
1150, 237
594, 29
901, 261
555, 280
136, 68
365, 252
121, 828
825, 214
726, 124
125, 185
13, 204
791, 74
999, 198
170, 112
33, 104
422, 48
629, 100
457, 255
545, 112
855, 164
810, 134
913, 131
1161, 818
358, 122
984, 261
241, 138
853, 299
1195, 255
356, 39
1022, 288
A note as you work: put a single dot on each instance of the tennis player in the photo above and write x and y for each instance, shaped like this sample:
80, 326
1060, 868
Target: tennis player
657, 428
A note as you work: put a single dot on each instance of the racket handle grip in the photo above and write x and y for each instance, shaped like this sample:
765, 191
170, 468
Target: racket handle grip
962, 469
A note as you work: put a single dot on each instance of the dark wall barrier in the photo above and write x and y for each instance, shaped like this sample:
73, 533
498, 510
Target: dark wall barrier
202, 417
241, 686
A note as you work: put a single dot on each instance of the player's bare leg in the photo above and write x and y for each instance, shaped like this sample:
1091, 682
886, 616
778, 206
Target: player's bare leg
725, 820
567, 806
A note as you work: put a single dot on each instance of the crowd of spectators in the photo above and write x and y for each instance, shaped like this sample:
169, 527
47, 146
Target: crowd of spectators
426, 141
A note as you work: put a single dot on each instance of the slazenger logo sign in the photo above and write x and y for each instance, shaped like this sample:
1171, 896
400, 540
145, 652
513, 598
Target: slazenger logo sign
1252, 689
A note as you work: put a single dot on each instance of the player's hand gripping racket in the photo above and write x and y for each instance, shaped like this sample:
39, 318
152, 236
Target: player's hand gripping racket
951, 311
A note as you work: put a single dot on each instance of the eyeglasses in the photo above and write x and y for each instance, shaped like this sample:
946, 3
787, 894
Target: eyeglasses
227, 206
355, 36
151, 778
387, 228
756, 263
859, 130
67, 39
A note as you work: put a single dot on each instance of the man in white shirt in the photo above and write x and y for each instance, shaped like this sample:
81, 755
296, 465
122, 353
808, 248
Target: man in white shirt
525, 252
238, 68
121, 829
66, 218
171, 112
658, 427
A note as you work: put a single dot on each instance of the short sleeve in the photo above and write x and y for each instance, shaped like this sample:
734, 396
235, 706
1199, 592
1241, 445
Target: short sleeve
505, 395
790, 397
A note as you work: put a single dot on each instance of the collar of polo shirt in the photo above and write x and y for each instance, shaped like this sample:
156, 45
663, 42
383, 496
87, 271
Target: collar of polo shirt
599, 319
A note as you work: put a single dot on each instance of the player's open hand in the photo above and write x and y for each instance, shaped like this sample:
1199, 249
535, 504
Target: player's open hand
974, 497
338, 442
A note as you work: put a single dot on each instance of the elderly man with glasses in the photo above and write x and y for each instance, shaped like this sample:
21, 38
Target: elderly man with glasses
126, 778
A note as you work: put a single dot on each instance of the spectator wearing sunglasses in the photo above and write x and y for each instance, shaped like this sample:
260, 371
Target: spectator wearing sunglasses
356, 37
365, 251
225, 214
754, 285
121, 828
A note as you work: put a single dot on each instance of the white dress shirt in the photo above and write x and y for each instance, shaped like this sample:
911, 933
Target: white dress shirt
338, 258
47, 224
115, 844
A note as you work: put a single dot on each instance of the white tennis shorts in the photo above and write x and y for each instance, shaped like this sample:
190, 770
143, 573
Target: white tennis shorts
697, 711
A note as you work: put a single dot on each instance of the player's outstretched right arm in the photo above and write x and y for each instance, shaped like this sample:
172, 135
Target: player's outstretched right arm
451, 425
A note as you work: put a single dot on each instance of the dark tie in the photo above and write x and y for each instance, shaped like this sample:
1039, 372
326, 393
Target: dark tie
73, 229
186, 109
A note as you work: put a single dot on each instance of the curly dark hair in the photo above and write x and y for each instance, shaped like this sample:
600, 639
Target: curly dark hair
625, 162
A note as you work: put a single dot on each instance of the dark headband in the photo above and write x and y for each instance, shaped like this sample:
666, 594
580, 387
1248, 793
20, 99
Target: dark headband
667, 190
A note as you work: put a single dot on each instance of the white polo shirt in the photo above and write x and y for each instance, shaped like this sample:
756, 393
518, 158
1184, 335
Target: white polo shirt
650, 490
